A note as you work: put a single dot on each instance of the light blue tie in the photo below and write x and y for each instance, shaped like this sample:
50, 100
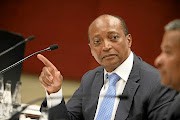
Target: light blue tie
107, 105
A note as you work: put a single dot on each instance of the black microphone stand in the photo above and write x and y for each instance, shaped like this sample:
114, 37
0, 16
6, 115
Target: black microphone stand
11, 48
52, 47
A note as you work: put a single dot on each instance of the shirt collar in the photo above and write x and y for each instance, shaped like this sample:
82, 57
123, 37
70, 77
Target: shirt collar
124, 69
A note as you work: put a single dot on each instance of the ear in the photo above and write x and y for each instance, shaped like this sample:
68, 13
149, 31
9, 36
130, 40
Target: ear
129, 39
89, 46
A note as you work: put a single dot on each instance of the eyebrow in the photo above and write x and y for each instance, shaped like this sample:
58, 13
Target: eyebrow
111, 32
95, 36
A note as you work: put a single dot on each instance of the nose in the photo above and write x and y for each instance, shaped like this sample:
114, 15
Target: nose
107, 45
158, 61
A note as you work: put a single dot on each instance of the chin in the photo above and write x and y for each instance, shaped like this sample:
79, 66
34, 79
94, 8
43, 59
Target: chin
111, 64
175, 87
165, 82
172, 84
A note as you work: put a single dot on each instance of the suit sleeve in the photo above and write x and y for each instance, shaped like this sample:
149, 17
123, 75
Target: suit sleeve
174, 110
160, 100
71, 111
58, 112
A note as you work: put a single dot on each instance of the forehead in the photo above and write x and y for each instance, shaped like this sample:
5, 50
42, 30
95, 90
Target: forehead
171, 39
105, 23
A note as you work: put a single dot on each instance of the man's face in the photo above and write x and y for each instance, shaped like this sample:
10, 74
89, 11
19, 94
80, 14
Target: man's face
108, 43
168, 62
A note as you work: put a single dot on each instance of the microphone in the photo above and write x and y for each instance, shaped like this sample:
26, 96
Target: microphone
11, 48
52, 47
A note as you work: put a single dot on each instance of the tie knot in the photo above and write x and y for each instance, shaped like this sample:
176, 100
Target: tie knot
113, 78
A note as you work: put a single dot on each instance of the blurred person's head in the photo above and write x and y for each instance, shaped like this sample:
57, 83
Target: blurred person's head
109, 41
168, 62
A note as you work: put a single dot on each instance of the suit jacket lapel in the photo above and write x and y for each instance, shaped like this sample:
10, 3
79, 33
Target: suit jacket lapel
129, 90
97, 85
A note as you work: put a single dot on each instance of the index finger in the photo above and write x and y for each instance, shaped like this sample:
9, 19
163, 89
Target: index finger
45, 61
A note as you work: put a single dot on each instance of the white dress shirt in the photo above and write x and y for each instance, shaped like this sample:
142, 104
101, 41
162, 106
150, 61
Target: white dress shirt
123, 71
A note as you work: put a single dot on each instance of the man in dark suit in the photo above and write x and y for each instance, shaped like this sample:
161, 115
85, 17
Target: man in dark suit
168, 63
96, 99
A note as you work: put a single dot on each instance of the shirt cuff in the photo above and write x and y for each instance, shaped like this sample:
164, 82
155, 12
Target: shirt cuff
54, 98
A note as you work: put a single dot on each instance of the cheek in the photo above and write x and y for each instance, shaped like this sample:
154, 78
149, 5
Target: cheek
177, 70
166, 72
93, 53
174, 67
96, 54
170, 64
173, 72
119, 47
122, 50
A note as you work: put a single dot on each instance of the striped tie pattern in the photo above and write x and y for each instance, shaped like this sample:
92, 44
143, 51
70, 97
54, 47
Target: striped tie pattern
107, 105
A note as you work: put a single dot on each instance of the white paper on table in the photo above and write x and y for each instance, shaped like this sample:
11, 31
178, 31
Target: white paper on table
32, 109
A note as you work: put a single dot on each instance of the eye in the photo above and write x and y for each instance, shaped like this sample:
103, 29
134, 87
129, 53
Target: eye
167, 52
97, 42
115, 37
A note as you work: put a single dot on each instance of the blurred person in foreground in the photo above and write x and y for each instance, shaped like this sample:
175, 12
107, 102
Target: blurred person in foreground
168, 63
121, 73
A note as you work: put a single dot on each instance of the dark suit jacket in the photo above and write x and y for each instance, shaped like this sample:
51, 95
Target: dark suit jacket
174, 110
147, 98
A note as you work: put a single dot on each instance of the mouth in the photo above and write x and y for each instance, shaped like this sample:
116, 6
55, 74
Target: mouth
109, 56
